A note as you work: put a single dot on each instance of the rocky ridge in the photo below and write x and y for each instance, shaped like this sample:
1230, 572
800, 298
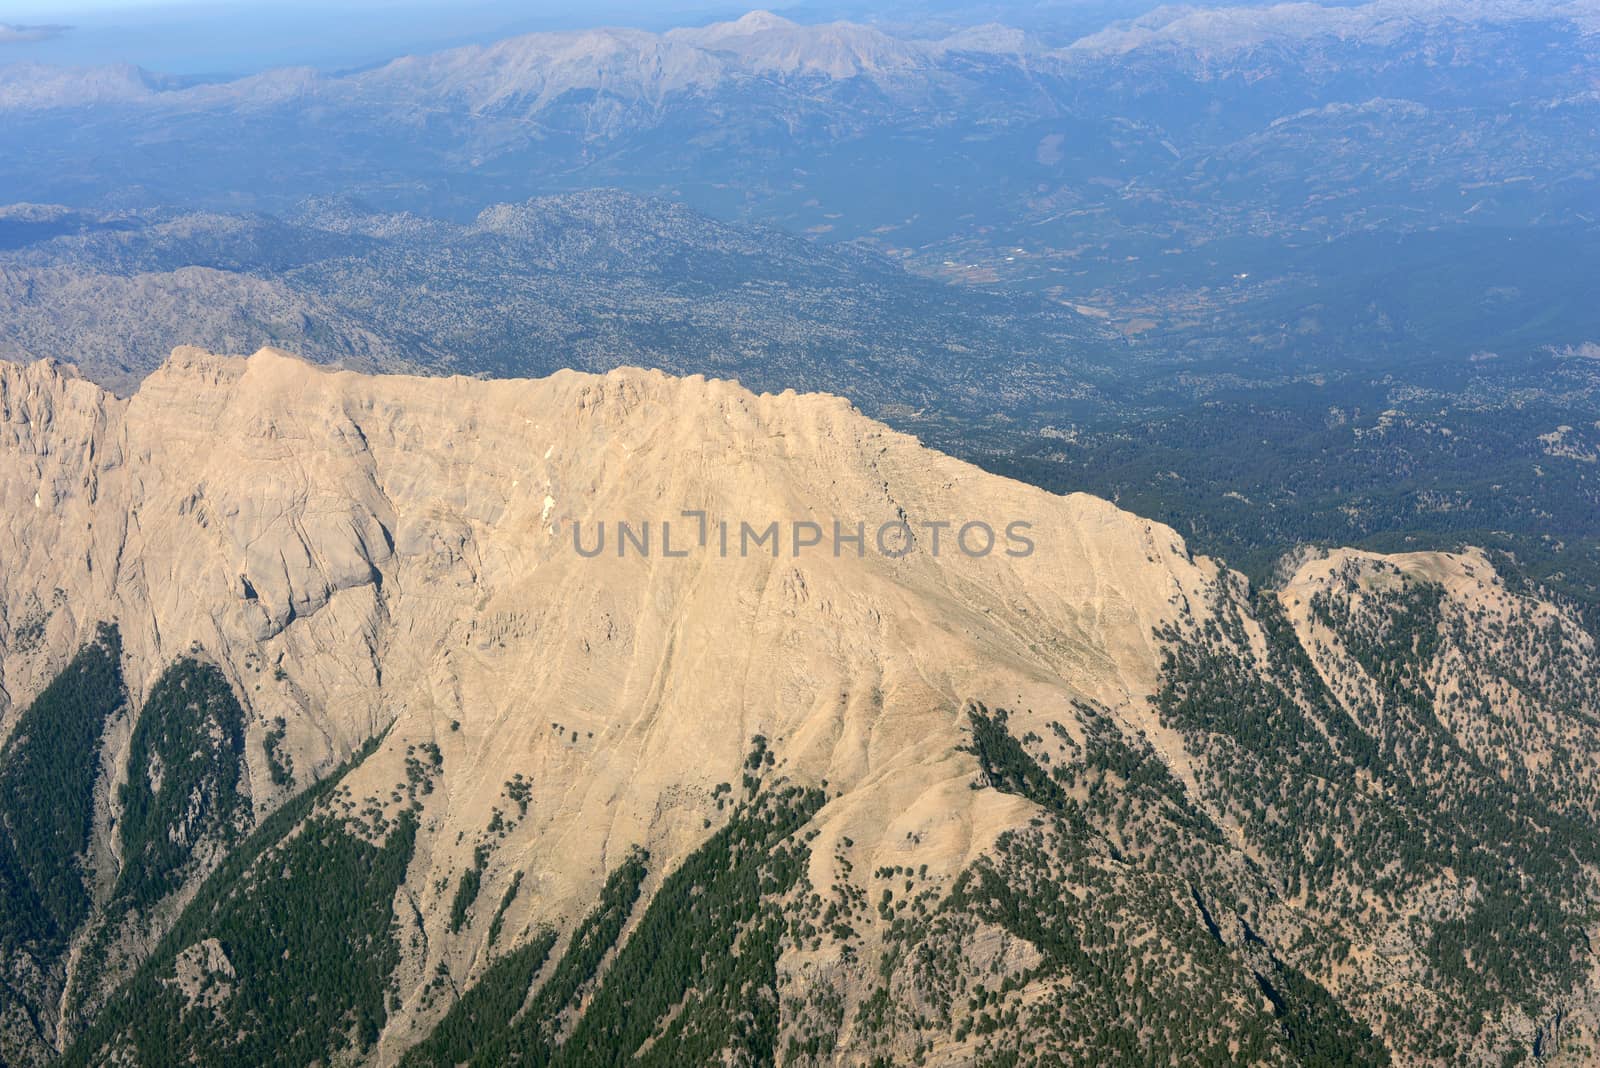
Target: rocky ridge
956, 795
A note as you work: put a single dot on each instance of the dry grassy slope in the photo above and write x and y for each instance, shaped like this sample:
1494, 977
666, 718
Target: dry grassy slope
357, 552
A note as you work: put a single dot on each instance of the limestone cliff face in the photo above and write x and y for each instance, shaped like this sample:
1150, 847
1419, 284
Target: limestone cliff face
360, 554
402, 549
1208, 820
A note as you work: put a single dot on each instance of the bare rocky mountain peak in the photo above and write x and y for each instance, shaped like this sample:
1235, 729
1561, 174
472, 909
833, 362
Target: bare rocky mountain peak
385, 567
324, 494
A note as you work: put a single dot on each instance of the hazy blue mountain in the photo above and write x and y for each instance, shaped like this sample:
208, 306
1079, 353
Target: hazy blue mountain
1211, 175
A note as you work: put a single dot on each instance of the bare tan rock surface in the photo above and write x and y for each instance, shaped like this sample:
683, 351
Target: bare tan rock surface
394, 558
364, 553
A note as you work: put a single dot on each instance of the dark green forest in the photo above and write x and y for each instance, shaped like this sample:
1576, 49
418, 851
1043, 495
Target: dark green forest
48, 770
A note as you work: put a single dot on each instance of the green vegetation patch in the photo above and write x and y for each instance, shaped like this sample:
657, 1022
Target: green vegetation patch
48, 770
185, 773
486, 1009
300, 917
535, 1038
696, 983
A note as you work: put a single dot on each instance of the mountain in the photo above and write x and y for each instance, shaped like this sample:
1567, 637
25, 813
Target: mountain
352, 752
764, 44
587, 280
1196, 176
1222, 31
532, 72
1248, 452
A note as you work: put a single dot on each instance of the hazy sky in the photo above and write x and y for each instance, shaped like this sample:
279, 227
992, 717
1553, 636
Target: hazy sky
42, 9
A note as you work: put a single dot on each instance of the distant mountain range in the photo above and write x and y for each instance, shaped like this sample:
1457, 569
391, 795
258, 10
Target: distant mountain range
590, 281
1178, 174
528, 74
